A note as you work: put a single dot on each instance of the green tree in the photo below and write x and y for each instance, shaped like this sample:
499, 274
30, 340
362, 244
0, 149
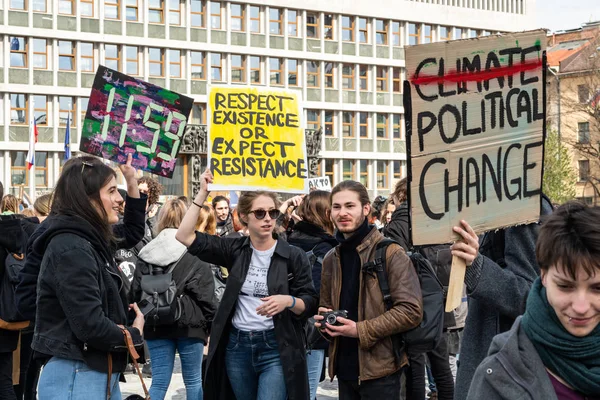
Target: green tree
560, 177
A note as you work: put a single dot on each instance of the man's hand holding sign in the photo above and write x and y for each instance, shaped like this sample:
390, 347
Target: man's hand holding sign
475, 119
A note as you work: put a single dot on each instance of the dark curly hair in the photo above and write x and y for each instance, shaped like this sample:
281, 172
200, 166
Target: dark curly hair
154, 189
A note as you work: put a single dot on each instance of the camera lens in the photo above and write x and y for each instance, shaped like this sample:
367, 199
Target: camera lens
331, 319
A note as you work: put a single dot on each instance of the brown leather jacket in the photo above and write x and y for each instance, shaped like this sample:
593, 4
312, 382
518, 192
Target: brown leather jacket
375, 326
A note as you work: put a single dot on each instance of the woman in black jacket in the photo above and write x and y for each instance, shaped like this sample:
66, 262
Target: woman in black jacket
256, 347
194, 281
81, 312
314, 235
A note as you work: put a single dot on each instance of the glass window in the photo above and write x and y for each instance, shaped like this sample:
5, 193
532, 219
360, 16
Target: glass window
276, 71
175, 63
132, 60
18, 109
396, 126
347, 28
39, 6
348, 76
215, 15
66, 55
329, 75
18, 52
293, 23
255, 72
40, 53
397, 80
18, 5
198, 62
275, 21
363, 124
382, 79
397, 170
583, 129
112, 9
66, 7
84, 101
396, 33
382, 175
312, 25
312, 73
155, 11
112, 56
198, 114
86, 55
348, 124
329, 127
459, 33
216, 67
445, 33
156, 62
19, 175
363, 30
329, 171
66, 107
238, 70
293, 72
40, 112
584, 170
363, 172
328, 26
197, 11
254, 19
427, 34
237, 17
364, 77
313, 119
583, 93
381, 27
349, 170
174, 12
414, 34
86, 8
131, 10
382, 128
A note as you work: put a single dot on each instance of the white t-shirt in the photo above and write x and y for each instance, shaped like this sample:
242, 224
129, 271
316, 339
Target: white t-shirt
253, 289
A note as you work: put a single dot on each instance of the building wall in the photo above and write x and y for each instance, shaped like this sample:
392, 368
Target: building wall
184, 50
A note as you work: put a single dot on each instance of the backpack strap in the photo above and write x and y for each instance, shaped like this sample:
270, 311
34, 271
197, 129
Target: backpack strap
172, 267
378, 265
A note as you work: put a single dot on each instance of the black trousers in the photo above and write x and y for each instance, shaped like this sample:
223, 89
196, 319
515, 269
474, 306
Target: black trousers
440, 369
386, 388
6, 383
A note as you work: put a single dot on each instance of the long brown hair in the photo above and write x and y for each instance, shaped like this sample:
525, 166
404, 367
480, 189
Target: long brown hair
315, 209
207, 214
170, 215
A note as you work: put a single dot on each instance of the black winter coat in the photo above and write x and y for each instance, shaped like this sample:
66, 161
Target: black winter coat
289, 273
79, 298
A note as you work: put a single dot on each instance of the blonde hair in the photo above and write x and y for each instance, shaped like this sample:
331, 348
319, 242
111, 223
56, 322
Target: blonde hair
207, 217
170, 215
10, 203
28, 212
42, 205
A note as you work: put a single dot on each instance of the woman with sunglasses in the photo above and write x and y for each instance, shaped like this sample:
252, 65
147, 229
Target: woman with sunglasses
256, 344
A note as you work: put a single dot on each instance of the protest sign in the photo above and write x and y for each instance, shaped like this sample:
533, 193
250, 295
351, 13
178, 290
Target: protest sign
256, 140
475, 119
322, 183
127, 115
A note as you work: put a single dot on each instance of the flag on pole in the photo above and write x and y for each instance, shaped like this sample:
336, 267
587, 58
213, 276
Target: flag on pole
68, 138
33, 136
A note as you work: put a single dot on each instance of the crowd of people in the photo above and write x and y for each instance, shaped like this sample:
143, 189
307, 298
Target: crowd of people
264, 298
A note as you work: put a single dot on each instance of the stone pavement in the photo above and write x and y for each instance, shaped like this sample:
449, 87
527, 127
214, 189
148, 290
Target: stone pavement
326, 391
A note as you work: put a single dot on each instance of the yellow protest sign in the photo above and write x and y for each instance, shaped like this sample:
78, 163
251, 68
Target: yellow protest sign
256, 140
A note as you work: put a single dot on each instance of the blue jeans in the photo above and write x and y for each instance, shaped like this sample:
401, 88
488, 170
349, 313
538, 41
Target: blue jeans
162, 354
64, 379
254, 367
314, 363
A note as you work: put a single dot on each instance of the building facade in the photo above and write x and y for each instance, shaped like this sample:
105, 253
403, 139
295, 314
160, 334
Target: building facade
346, 58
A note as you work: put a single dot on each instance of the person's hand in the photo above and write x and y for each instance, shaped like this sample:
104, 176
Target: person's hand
205, 179
347, 328
319, 317
139, 321
292, 202
129, 172
468, 247
153, 210
273, 305
295, 217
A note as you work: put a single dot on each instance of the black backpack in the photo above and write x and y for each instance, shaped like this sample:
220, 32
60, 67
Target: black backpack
428, 334
8, 305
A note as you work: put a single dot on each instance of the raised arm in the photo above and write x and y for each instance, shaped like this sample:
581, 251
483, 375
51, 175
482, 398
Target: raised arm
187, 229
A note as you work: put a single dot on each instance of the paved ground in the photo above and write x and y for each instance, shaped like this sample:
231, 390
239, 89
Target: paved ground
326, 391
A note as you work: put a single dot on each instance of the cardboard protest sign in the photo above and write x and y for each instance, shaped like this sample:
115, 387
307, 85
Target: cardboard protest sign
256, 140
475, 121
127, 115
322, 183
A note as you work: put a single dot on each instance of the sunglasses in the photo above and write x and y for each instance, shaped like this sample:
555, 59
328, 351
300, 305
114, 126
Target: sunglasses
261, 214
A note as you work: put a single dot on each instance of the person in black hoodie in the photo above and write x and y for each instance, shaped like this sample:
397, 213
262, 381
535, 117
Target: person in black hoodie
313, 234
81, 313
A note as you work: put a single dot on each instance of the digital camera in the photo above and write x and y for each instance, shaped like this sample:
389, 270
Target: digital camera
331, 317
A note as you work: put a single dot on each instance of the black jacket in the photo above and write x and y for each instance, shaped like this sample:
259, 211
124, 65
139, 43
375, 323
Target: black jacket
128, 233
289, 273
79, 298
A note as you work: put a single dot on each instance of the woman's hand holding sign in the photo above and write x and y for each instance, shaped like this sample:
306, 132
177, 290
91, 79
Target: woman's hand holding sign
468, 247
130, 176
187, 230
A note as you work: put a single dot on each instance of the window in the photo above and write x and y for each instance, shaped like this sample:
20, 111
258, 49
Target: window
276, 71
349, 170
382, 79
18, 109
414, 34
396, 126
132, 60
197, 11
19, 174
329, 75
255, 70
396, 80
584, 170
381, 28
583, 92
445, 33
329, 171
347, 28
84, 101
364, 77
86, 8
198, 65
66, 107
583, 130
275, 21
18, 52
112, 56
485, 33
86, 57
382, 175
396, 33
238, 68
175, 64
198, 114
237, 17
293, 72
427, 34
131, 10
40, 112
174, 12
215, 15
312, 74
66, 55
155, 11
292, 23
363, 30
112, 9
328, 26
348, 76
473, 33
458, 33
329, 127
363, 172
216, 67
40, 53
382, 126
348, 124
156, 62
397, 170
18, 5
363, 124
254, 19
66, 7
39, 6
312, 25
313, 119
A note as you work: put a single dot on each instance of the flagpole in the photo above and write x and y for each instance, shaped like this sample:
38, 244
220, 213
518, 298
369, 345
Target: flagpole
31, 170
